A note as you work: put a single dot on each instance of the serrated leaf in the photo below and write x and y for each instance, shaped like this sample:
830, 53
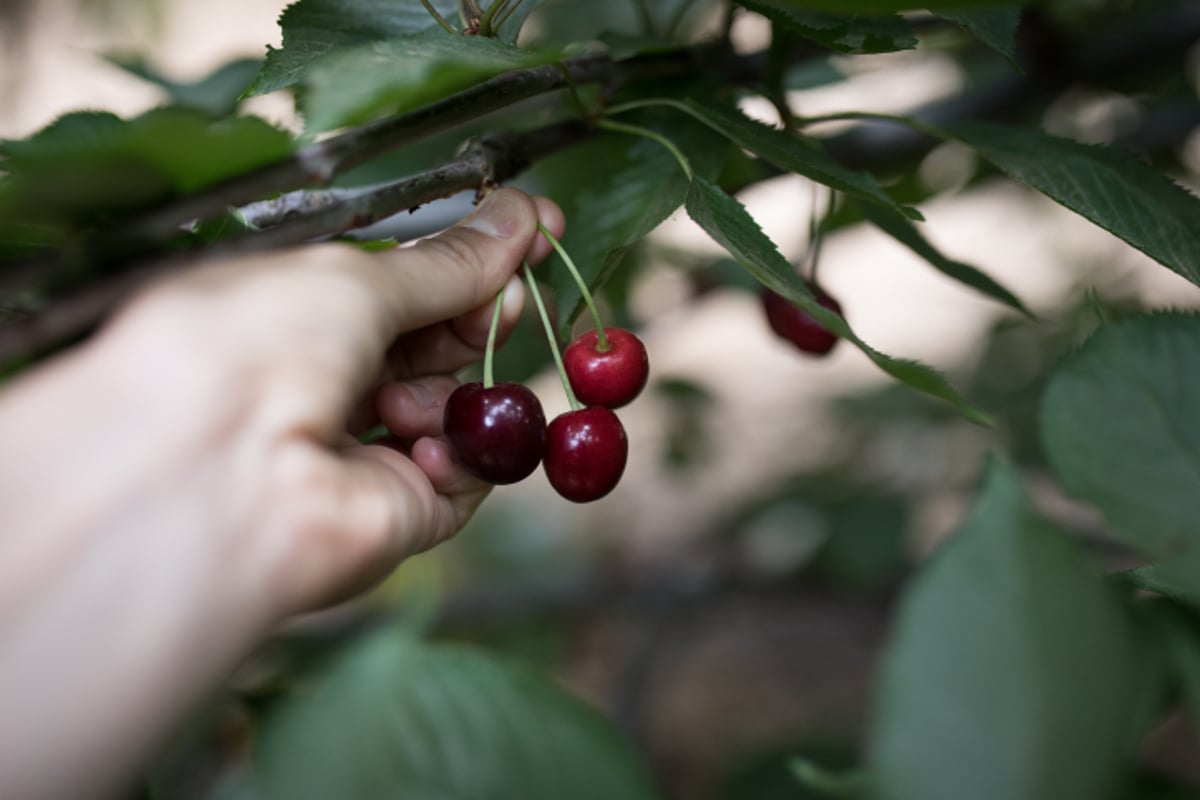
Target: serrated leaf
997, 28
614, 190
397, 717
731, 226
845, 34
92, 163
1119, 426
800, 154
850, 7
1106, 185
359, 83
903, 231
315, 28
1014, 672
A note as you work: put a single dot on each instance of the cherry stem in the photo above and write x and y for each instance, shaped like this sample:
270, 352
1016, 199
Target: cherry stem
601, 338
550, 340
433, 12
485, 21
489, 352
637, 130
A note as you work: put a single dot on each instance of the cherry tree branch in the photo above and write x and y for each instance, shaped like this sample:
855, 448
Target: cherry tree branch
489, 159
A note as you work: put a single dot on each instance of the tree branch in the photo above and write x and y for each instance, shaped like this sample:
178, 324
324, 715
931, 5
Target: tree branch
489, 159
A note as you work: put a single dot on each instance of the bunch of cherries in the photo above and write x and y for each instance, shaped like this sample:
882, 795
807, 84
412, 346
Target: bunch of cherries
499, 431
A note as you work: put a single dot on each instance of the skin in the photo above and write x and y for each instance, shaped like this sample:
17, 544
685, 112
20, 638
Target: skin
176, 487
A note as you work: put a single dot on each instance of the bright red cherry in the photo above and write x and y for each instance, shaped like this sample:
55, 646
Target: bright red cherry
609, 378
498, 433
796, 325
585, 453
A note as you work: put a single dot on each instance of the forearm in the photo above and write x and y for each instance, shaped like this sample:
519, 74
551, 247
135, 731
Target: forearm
118, 607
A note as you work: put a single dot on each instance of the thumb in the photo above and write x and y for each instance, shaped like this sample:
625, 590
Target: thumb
464, 266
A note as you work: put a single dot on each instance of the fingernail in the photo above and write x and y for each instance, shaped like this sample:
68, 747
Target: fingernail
496, 216
426, 398
514, 298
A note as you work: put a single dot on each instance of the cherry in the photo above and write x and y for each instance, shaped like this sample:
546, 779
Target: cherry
586, 451
611, 377
498, 432
796, 325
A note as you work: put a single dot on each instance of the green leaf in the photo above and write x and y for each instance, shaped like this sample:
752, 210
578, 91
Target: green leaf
614, 190
903, 231
357, 84
314, 28
88, 163
217, 94
1014, 673
397, 717
845, 34
997, 28
1170, 579
1180, 637
1119, 426
1106, 185
799, 154
731, 226
851, 7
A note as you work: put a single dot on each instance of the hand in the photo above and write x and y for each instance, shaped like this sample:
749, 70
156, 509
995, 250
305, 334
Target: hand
175, 487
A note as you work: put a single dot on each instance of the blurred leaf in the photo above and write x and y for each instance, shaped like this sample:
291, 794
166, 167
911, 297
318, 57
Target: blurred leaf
817, 779
356, 84
866, 547
397, 717
1106, 185
849, 7
232, 223
845, 34
91, 162
1119, 425
614, 189
1180, 637
899, 228
314, 28
1014, 672
217, 94
997, 28
1169, 579
799, 154
731, 226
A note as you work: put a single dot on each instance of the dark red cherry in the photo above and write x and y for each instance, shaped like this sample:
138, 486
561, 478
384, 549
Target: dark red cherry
796, 325
610, 378
585, 453
498, 433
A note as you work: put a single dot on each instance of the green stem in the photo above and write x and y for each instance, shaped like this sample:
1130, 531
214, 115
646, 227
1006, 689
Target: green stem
844, 116
550, 339
637, 130
678, 17
503, 18
490, 350
648, 26
602, 339
679, 105
485, 21
433, 12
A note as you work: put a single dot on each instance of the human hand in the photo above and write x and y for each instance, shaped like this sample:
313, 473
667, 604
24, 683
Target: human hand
301, 349
199, 483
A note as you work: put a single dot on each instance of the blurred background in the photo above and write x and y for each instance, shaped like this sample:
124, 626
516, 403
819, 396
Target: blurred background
728, 602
